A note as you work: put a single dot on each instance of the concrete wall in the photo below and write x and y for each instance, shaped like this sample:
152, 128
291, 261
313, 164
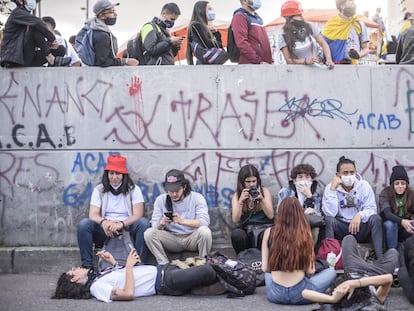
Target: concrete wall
58, 125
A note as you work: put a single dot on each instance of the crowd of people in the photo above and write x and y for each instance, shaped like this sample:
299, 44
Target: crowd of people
283, 232
343, 39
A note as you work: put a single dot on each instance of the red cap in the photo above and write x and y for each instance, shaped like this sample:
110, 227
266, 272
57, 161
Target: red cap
291, 8
117, 164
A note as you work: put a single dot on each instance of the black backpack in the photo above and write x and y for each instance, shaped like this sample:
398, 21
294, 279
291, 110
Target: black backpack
136, 50
252, 257
232, 48
236, 277
119, 247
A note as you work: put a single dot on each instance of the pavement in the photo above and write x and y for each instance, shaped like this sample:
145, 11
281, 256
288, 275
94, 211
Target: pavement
28, 278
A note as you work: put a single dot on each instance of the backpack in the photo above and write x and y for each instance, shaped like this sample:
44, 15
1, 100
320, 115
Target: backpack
119, 246
232, 49
135, 49
84, 45
236, 277
252, 257
329, 245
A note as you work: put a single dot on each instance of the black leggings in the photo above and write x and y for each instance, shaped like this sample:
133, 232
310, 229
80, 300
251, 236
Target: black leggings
406, 277
172, 280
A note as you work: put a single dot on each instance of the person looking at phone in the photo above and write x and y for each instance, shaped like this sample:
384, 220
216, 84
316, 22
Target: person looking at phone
396, 203
251, 209
187, 228
159, 45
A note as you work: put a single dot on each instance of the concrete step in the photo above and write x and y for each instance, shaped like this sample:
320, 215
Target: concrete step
59, 259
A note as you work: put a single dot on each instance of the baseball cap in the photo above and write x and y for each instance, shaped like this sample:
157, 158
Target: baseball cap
174, 180
102, 5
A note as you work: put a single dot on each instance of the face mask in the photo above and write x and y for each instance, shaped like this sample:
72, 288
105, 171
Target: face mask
348, 180
211, 15
257, 4
349, 11
110, 21
306, 183
169, 24
30, 5
300, 32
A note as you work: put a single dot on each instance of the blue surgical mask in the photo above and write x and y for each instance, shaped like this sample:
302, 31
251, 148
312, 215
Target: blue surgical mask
110, 21
211, 15
169, 24
30, 5
257, 4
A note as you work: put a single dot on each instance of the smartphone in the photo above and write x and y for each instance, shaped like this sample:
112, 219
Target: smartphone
169, 215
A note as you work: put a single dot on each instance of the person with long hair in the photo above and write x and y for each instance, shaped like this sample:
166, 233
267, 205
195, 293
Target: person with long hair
201, 31
288, 257
302, 42
352, 291
116, 204
251, 208
179, 220
132, 280
396, 203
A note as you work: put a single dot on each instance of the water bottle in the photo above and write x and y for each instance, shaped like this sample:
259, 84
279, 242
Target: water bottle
331, 259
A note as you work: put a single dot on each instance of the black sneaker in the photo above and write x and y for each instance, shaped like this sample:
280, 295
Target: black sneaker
61, 61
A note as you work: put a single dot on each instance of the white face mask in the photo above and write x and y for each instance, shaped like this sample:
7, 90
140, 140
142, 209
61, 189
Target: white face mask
306, 183
348, 180
30, 5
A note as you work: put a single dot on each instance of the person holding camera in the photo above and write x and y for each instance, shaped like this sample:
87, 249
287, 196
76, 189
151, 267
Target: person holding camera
252, 210
396, 203
179, 221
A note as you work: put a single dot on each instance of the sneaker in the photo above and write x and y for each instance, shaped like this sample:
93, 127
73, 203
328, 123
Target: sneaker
61, 61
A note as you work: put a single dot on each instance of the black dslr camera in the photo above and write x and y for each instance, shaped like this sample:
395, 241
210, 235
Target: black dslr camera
253, 191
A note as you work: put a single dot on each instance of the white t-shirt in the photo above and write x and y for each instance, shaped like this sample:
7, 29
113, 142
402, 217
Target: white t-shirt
116, 209
144, 275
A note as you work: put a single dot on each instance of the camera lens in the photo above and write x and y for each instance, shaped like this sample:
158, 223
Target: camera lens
253, 192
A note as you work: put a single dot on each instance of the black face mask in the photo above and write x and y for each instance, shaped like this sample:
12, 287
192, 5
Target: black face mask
110, 21
300, 31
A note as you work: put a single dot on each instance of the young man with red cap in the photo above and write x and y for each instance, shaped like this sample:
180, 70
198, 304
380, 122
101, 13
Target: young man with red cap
116, 204
186, 227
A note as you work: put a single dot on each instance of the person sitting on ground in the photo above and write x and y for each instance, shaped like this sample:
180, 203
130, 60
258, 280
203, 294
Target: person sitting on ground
116, 204
346, 34
406, 271
251, 209
349, 207
396, 203
179, 220
302, 42
351, 291
126, 283
69, 50
288, 257
159, 45
27, 42
303, 185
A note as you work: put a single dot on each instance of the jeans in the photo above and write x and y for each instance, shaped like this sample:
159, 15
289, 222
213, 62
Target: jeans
89, 233
293, 295
391, 233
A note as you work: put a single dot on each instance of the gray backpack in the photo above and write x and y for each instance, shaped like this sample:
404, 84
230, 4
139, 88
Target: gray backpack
119, 247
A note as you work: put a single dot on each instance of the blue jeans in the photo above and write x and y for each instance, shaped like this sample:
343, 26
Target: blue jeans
293, 295
391, 233
89, 233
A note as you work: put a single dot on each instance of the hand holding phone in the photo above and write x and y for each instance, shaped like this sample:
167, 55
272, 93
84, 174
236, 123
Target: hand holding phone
169, 215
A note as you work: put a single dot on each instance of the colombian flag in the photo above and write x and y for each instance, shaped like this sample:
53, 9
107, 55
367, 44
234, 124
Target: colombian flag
336, 33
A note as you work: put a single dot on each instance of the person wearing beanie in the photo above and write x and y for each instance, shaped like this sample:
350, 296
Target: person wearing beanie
116, 204
396, 203
346, 34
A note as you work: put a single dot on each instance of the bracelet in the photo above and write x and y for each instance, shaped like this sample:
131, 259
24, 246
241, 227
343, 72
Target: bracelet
123, 225
101, 222
360, 285
304, 61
